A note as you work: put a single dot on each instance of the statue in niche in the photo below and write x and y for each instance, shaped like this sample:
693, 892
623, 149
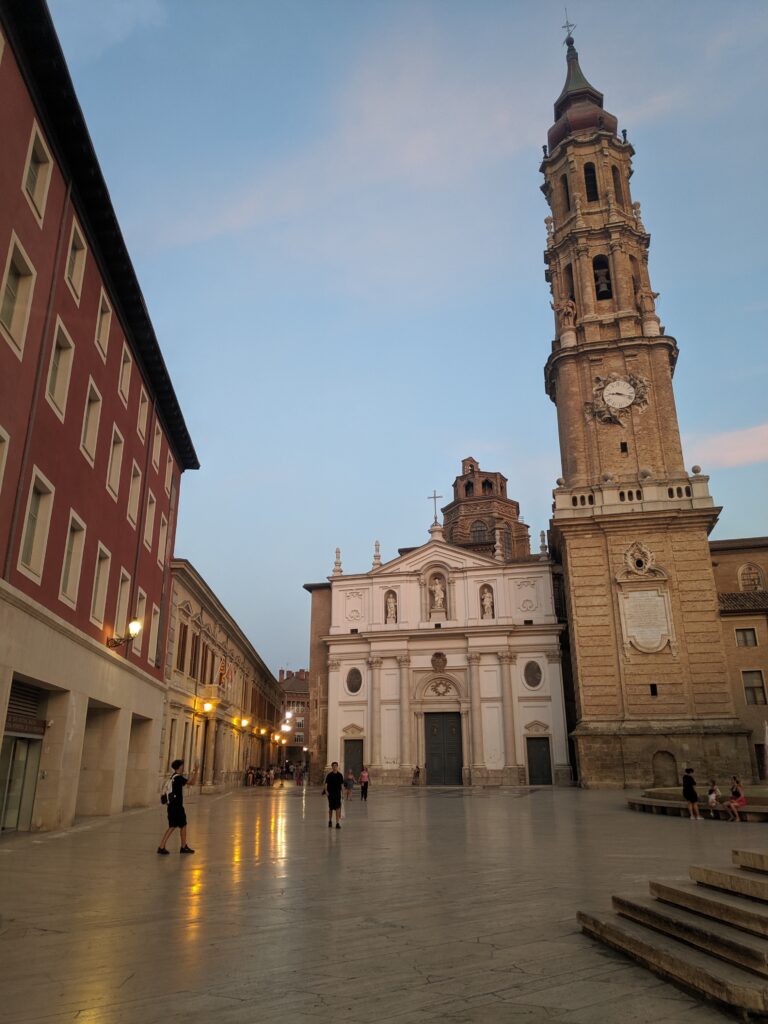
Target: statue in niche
567, 313
486, 599
437, 589
390, 608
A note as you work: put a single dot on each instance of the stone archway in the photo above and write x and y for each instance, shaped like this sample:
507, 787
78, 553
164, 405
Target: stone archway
665, 769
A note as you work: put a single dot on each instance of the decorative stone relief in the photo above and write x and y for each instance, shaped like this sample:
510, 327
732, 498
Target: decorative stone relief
639, 560
441, 687
352, 730
353, 603
646, 619
532, 674
537, 727
439, 661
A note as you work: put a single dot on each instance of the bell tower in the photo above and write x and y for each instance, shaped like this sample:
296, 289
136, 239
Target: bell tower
629, 524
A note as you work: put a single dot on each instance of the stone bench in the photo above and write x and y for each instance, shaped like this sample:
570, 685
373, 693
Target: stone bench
679, 808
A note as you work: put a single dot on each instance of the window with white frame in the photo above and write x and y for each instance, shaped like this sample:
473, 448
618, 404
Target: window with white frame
754, 686
16, 295
156, 443
141, 422
75, 268
115, 462
4, 442
91, 418
141, 611
37, 520
73, 560
103, 324
746, 638
162, 539
37, 174
149, 522
100, 585
124, 381
134, 494
60, 370
123, 603
299, 737
154, 627
299, 723
168, 472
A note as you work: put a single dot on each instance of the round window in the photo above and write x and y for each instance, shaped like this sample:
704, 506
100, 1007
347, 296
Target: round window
354, 680
532, 674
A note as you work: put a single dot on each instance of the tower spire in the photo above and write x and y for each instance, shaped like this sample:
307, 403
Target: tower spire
579, 106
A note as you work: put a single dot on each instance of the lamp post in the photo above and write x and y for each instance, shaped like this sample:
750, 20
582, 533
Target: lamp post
134, 628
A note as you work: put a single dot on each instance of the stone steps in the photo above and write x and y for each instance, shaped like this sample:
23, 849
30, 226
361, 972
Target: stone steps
678, 808
709, 933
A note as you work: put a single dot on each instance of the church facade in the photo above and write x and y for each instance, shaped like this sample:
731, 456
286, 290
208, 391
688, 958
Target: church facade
446, 658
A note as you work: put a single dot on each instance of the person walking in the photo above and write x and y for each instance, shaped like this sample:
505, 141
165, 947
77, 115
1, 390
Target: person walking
177, 816
349, 784
737, 799
364, 780
334, 781
690, 795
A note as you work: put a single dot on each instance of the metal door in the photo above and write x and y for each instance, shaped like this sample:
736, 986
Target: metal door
19, 760
539, 761
353, 757
443, 748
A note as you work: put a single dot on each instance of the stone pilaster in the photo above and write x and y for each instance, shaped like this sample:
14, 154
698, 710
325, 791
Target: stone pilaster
506, 661
375, 666
478, 758
404, 671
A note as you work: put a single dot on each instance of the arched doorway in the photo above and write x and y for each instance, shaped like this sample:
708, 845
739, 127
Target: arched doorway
664, 769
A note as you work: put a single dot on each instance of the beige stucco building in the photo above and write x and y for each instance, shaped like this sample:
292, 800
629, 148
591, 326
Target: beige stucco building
222, 703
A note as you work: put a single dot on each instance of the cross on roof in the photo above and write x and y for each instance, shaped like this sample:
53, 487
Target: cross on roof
435, 497
568, 26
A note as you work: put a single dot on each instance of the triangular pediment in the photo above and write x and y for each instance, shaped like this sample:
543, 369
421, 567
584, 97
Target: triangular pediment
435, 551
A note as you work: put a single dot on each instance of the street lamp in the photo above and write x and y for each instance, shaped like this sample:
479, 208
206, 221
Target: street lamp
244, 722
134, 628
207, 706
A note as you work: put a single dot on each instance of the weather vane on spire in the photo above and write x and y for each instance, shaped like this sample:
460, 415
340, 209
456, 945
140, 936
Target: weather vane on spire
568, 26
434, 496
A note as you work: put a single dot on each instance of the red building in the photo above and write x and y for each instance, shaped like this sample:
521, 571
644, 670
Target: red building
92, 448
294, 687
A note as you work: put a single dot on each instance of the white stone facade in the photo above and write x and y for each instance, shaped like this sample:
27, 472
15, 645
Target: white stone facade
495, 662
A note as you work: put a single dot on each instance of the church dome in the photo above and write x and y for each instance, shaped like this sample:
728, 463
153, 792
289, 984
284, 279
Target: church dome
579, 107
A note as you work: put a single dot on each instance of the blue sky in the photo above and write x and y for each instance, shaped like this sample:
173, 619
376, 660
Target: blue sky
333, 209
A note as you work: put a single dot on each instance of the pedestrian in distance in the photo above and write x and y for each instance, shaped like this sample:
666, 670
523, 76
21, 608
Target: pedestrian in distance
690, 795
174, 801
349, 784
364, 780
334, 783
737, 799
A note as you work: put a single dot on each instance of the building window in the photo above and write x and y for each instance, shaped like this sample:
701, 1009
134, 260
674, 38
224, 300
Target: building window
566, 193
124, 381
299, 737
149, 522
754, 687
479, 532
751, 577
37, 174
100, 585
134, 494
156, 443
141, 611
141, 422
602, 274
487, 487
354, 680
154, 629
103, 323
746, 638
162, 540
115, 463
194, 655
532, 674
4, 442
91, 419
590, 183
76, 262
469, 489
36, 523
59, 371
18, 285
618, 191
73, 560
299, 723
181, 646
123, 603
168, 472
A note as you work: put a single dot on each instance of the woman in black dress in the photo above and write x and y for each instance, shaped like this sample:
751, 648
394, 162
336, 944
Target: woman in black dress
177, 816
690, 795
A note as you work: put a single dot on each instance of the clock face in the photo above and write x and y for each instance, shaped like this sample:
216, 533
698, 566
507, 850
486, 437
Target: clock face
618, 394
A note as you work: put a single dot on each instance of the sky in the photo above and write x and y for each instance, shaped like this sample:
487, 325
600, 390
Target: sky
334, 213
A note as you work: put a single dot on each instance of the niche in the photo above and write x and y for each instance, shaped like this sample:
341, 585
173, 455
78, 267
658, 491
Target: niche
602, 272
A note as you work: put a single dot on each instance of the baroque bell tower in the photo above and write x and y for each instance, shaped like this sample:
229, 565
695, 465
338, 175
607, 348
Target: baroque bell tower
630, 525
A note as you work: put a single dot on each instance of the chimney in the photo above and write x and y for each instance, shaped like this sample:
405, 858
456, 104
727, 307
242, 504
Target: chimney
282, 674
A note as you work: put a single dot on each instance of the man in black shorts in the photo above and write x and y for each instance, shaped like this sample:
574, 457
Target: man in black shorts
334, 782
177, 816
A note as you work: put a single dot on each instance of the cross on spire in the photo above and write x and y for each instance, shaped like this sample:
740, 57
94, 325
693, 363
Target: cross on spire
435, 497
568, 26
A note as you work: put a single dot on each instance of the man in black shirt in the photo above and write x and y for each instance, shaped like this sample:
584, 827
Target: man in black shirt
177, 816
334, 781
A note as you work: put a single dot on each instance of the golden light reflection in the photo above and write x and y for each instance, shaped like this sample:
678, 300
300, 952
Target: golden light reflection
277, 837
195, 903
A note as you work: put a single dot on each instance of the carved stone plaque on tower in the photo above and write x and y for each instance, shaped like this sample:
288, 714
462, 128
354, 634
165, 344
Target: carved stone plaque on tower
646, 619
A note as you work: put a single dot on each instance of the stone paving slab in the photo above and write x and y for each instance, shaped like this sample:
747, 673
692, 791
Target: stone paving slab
455, 906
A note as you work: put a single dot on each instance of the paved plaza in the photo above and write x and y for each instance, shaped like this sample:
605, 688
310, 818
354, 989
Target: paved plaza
449, 905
